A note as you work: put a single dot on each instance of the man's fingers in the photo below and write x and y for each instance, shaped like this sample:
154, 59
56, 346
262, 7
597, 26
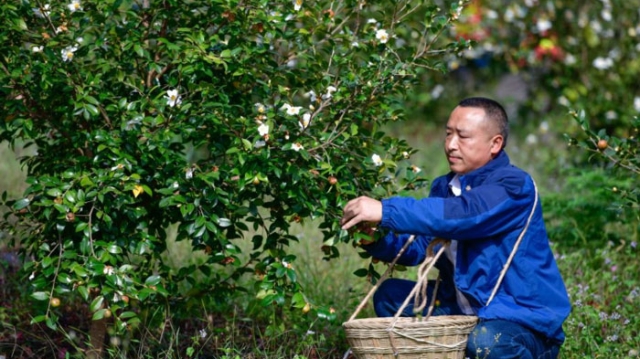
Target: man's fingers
351, 222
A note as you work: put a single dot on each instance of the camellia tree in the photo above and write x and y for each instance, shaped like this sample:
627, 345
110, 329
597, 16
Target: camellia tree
230, 119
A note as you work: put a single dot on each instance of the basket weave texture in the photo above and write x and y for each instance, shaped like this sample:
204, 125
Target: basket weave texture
441, 337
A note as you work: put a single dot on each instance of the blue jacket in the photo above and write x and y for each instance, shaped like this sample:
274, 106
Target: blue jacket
486, 219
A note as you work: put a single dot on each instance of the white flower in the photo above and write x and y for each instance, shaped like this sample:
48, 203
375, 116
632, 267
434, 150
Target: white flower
80, 40
509, 15
611, 115
416, 169
259, 144
189, 173
304, 123
458, 12
75, 6
569, 59
355, 44
543, 25
173, 98
330, 90
636, 103
311, 95
260, 107
67, 53
203, 333
531, 139
108, 270
544, 127
563, 101
263, 129
33, 275
37, 48
405, 154
382, 35
297, 147
602, 63
38, 12
376, 160
297, 5
372, 21
291, 110
437, 91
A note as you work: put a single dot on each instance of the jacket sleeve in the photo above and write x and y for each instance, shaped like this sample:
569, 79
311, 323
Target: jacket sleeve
481, 212
387, 247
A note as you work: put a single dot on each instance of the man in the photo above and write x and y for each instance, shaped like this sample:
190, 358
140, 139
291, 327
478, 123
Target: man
483, 205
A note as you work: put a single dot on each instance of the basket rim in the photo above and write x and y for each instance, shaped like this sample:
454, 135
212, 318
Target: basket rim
404, 322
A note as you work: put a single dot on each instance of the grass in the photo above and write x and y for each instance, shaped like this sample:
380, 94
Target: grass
601, 278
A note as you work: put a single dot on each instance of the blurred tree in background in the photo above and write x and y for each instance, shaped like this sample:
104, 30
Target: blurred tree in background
561, 68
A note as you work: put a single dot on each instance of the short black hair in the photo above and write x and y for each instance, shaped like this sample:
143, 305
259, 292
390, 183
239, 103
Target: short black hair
494, 112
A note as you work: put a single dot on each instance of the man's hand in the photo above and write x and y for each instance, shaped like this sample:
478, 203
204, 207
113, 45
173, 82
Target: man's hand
361, 209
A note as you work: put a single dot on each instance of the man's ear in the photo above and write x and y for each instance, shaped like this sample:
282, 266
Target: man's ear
496, 144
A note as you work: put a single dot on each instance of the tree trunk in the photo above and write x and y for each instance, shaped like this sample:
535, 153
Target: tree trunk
96, 334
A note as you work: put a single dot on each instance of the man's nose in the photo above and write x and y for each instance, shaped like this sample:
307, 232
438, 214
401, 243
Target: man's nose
451, 143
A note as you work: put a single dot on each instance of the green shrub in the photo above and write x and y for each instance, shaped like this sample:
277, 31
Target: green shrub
231, 120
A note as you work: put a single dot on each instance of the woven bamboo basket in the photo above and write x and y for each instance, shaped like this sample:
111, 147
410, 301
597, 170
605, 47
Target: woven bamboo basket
443, 337
428, 337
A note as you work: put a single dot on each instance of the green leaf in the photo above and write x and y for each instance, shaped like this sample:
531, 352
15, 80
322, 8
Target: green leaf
114, 249
20, 204
362, 272
126, 315
54, 192
40, 295
93, 110
84, 293
99, 314
298, 300
224, 222
152, 280
38, 319
51, 323
96, 303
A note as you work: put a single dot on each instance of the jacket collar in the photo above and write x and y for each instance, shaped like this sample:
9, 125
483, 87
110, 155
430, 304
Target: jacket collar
478, 175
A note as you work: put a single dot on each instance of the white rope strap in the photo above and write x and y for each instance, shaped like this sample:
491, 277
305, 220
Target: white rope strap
382, 278
516, 245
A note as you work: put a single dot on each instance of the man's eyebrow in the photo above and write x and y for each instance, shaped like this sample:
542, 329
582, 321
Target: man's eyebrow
457, 129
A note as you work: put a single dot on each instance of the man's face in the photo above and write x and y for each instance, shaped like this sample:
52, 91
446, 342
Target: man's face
472, 141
